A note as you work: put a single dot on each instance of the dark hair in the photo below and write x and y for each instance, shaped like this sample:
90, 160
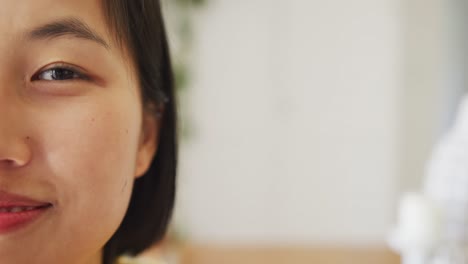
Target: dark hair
138, 26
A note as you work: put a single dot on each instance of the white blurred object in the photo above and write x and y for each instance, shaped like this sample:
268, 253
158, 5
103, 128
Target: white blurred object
439, 237
447, 172
418, 229
447, 184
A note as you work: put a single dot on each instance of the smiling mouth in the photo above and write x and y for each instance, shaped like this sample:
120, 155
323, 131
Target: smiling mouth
13, 218
19, 209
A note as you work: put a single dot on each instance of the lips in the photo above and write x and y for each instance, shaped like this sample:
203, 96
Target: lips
17, 211
9, 200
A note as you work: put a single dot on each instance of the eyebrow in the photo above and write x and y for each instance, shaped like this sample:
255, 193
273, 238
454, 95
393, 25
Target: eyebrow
68, 26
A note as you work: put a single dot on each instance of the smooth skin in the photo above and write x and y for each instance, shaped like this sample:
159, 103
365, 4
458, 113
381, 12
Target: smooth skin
77, 139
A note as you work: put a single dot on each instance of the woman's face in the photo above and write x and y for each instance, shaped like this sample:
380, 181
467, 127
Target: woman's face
72, 131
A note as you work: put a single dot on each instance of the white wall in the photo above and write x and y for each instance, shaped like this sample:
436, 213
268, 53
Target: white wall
295, 112
434, 79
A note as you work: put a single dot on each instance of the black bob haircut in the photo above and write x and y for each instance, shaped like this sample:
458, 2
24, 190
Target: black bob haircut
138, 26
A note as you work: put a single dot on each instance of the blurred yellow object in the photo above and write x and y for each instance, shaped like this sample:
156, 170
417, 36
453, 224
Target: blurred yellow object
139, 260
215, 254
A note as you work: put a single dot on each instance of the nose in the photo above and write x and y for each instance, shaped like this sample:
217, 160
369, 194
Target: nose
13, 153
14, 144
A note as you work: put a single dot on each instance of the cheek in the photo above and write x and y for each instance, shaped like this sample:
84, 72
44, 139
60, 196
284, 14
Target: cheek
94, 149
90, 149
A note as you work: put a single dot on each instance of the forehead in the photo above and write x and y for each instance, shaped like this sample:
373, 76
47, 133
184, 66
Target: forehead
19, 16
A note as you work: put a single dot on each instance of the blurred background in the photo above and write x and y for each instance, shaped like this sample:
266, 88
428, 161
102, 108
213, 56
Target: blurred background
304, 121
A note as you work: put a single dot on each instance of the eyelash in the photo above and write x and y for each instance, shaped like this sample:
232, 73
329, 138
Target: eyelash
76, 73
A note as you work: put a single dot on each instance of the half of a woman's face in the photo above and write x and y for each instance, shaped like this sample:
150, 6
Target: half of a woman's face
73, 136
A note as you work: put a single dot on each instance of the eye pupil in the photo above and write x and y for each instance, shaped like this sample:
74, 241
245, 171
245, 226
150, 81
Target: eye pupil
62, 74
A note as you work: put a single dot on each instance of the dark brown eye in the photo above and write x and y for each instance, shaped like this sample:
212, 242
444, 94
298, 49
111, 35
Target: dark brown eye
57, 74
